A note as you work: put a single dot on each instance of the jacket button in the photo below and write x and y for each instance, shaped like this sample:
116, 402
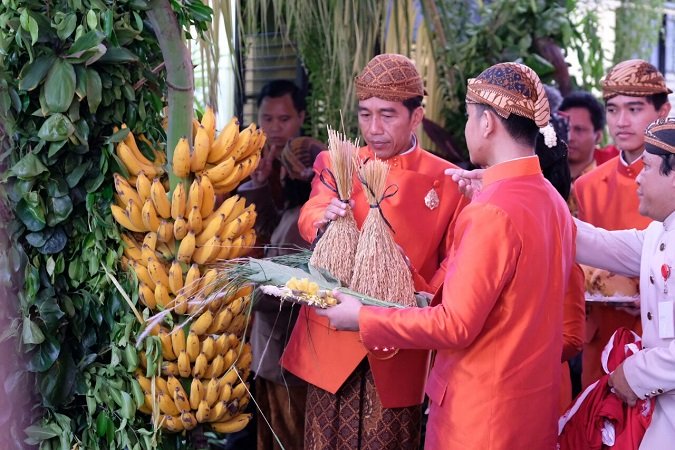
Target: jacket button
649, 315
376, 348
662, 247
659, 390
651, 279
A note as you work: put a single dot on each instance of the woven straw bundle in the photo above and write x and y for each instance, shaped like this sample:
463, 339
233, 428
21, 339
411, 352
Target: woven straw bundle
336, 249
380, 270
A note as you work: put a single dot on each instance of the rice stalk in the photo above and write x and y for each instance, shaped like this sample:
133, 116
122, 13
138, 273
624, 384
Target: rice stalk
336, 249
379, 269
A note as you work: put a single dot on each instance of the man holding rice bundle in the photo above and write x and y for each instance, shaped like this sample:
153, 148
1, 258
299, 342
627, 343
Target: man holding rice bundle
497, 322
354, 402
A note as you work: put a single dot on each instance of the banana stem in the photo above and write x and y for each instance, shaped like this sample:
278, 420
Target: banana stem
179, 78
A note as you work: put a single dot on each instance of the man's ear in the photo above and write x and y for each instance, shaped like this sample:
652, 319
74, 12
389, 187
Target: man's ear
664, 110
488, 122
598, 136
416, 117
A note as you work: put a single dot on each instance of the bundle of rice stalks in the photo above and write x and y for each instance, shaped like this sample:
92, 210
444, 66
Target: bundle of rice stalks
336, 249
379, 269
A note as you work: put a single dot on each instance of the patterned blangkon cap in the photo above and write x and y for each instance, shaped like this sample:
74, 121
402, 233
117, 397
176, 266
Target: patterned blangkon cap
660, 137
390, 77
634, 78
511, 88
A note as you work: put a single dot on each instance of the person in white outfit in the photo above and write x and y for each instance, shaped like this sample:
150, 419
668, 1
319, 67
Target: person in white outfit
649, 254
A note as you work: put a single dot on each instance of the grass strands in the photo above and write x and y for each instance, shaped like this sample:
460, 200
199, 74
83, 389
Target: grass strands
336, 249
379, 269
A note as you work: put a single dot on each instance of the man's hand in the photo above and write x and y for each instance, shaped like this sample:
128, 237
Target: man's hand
260, 175
621, 388
335, 209
344, 316
470, 182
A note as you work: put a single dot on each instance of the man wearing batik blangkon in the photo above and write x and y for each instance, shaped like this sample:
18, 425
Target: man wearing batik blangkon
361, 399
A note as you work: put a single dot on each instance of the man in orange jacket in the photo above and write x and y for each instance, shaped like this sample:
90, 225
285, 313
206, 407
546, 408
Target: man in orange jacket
497, 324
635, 95
356, 398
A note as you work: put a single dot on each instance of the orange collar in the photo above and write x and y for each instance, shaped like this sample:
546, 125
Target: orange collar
513, 168
631, 170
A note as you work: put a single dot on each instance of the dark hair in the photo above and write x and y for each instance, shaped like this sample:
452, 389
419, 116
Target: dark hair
521, 129
583, 99
296, 192
279, 88
413, 103
658, 100
553, 161
667, 163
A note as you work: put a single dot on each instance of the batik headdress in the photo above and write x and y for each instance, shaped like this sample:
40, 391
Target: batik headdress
512, 88
660, 137
634, 78
390, 77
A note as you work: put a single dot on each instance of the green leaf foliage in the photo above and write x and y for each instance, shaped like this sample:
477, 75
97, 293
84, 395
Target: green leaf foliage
67, 78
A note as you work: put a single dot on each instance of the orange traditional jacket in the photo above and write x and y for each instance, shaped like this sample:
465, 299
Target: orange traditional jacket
326, 357
607, 198
498, 324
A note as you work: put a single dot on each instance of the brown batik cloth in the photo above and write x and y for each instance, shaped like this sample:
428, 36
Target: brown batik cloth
354, 419
285, 406
634, 78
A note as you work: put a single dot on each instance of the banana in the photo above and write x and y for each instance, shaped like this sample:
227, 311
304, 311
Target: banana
225, 249
167, 348
225, 391
208, 231
226, 208
232, 425
196, 393
245, 359
122, 217
180, 399
178, 201
202, 323
216, 368
236, 306
231, 229
243, 141
134, 165
144, 382
186, 248
194, 220
175, 277
212, 392
253, 146
132, 253
221, 344
178, 341
218, 412
165, 231
240, 390
171, 423
230, 357
143, 275
200, 150
150, 240
243, 403
166, 404
147, 254
162, 297
143, 186
125, 190
181, 158
133, 146
230, 377
208, 282
248, 238
221, 171
208, 196
203, 412
234, 176
192, 346
199, 368
184, 368
237, 248
160, 385
225, 142
194, 197
160, 199
188, 419
237, 325
158, 272
180, 228
249, 165
207, 252
149, 216
209, 123
192, 280
209, 347
165, 250
220, 323
181, 303
170, 368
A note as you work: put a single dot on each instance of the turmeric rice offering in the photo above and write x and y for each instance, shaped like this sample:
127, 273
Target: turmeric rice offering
302, 291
